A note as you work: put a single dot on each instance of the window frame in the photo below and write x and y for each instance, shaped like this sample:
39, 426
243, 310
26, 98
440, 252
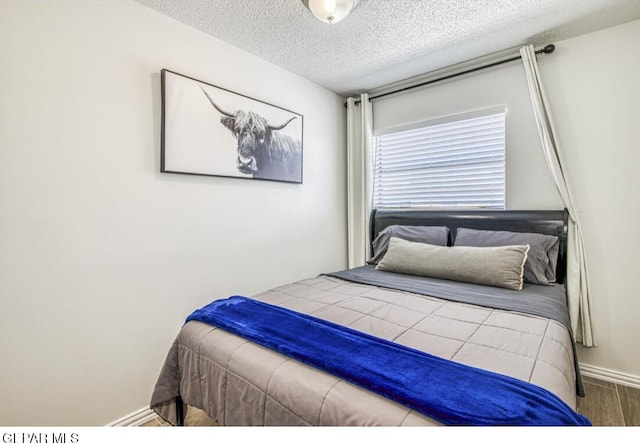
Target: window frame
460, 117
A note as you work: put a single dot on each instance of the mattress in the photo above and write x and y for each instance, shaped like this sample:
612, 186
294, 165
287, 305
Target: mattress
237, 382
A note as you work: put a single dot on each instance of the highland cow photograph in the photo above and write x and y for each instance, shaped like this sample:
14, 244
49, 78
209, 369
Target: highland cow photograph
209, 130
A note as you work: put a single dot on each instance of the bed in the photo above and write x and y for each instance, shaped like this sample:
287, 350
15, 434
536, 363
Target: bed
518, 334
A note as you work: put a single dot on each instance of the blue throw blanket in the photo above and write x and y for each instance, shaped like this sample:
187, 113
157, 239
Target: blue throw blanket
450, 392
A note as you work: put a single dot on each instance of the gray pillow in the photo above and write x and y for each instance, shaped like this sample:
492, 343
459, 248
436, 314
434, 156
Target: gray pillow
501, 266
434, 235
543, 256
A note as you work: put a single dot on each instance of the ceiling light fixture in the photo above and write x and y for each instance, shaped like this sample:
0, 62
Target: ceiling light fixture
330, 11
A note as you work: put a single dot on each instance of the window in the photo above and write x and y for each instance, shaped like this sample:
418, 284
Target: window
455, 161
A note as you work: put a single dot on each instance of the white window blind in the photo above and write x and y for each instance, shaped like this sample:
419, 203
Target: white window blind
453, 162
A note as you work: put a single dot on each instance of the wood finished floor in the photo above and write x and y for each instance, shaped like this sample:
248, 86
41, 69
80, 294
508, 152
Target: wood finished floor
605, 404
609, 404
195, 417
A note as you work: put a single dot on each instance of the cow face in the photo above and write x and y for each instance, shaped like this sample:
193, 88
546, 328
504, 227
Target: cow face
258, 153
253, 134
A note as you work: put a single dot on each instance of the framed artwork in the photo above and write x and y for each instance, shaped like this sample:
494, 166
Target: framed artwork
209, 130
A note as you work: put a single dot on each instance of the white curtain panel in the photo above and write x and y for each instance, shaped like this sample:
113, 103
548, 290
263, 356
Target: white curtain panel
359, 178
578, 288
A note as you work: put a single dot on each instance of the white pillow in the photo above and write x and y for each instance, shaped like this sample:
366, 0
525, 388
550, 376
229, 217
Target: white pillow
501, 266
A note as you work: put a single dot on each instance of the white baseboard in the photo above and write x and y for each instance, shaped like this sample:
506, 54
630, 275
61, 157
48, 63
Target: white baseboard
610, 375
136, 418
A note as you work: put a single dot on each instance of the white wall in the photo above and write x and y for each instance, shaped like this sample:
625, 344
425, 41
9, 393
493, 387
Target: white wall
528, 183
102, 256
593, 88
592, 84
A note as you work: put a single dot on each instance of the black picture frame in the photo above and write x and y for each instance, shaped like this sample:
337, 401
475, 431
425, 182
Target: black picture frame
212, 131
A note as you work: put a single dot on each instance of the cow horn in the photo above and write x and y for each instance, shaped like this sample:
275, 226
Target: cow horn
276, 128
216, 106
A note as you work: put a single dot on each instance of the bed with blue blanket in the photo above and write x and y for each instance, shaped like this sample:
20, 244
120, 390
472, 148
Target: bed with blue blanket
459, 318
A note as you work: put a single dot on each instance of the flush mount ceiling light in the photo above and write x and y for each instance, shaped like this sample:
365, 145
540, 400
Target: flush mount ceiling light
330, 11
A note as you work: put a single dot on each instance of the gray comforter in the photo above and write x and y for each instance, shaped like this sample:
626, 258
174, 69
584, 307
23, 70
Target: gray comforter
237, 382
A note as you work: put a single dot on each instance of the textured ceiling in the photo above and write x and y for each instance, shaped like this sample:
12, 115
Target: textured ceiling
384, 41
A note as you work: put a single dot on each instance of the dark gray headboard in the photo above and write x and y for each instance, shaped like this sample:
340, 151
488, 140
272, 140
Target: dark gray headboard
543, 222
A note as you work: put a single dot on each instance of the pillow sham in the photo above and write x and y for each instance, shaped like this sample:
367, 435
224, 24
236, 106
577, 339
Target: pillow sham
435, 235
540, 267
501, 266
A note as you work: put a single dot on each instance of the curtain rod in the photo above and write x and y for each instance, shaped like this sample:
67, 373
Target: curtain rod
546, 50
